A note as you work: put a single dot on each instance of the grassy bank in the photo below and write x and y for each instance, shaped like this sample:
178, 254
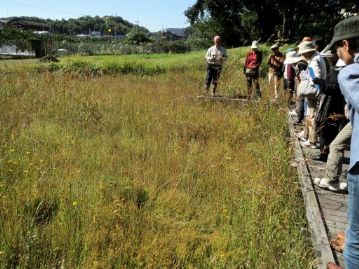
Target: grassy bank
129, 171
151, 64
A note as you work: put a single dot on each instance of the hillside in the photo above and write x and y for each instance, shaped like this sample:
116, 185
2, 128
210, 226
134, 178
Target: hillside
85, 24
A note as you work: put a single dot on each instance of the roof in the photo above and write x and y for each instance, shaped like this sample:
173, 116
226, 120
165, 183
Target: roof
180, 32
27, 24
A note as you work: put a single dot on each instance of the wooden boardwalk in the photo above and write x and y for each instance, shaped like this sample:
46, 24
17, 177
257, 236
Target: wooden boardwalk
326, 210
224, 98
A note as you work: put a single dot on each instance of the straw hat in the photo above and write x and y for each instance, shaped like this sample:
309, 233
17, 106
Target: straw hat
254, 44
306, 46
292, 57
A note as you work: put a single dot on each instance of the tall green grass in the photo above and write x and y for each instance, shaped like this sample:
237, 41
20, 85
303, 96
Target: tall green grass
132, 171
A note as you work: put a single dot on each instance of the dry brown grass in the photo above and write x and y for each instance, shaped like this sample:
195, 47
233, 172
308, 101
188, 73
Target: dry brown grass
128, 171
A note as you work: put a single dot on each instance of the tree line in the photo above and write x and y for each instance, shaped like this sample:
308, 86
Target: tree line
107, 25
237, 21
240, 21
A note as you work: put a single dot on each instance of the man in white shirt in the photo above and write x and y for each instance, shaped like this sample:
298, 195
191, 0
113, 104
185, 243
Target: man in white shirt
215, 57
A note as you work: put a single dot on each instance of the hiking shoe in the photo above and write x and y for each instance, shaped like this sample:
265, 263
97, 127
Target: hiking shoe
307, 144
314, 146
343, 186
301, 136
320, 157
322, 182
326, 183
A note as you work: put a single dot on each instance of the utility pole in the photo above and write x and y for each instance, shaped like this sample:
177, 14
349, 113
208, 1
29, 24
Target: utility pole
137, 27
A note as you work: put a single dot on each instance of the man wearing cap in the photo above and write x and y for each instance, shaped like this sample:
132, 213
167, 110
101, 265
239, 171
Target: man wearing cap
251, 69
316, 70
215, 57
345, 42
275, 63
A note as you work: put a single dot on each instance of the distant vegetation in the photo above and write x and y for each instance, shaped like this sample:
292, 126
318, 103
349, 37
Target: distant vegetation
86, 24
139, 64
239, 22
133, 64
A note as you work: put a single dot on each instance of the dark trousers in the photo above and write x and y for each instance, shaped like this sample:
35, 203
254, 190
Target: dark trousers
252, 78
213, 74
300, 107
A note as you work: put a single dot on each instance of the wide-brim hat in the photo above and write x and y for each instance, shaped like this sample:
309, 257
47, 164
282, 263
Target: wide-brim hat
275, 46
254, 44
292, 57
326, 52
306, 46
346, 29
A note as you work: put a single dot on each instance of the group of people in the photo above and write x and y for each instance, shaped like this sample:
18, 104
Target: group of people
217, 55
325, 84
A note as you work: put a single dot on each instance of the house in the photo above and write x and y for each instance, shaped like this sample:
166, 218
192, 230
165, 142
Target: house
13, 51
3, 23
41, 32
175, 33
26, 24
95, 34
82, 36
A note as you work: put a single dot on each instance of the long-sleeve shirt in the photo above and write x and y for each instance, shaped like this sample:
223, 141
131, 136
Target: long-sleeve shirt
317, 67
348, 79
253, 59
216, 55
275, 61
289, 72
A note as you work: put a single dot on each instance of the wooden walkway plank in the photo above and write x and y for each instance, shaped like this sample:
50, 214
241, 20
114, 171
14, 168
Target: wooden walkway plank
326, 211
223, 98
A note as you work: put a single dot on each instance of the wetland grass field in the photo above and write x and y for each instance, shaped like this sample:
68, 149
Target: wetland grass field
111, 162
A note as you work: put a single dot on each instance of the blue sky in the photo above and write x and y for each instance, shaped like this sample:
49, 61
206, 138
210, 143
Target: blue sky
152, 14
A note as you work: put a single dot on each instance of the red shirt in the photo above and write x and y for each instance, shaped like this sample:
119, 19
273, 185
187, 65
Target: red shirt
253, 59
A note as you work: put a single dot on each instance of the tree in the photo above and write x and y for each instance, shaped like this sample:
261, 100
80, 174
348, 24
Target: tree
223, 16
138, 35
240, 21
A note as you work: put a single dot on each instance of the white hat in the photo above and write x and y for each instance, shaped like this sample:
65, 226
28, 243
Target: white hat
254, 44
292, 57
274, 46
326, 52
340, 63
306, 46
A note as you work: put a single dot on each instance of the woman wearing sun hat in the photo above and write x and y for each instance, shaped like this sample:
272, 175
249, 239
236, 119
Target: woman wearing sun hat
291, 58
275, 72
251, 69
316, 70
